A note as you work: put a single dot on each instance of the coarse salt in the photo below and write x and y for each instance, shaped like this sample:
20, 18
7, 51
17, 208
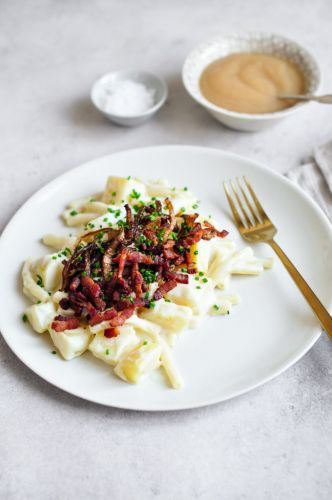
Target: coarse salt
127, 97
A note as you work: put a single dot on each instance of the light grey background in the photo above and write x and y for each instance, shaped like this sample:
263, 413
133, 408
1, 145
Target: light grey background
273, 443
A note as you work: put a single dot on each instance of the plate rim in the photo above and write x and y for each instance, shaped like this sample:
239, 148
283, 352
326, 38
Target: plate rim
202, 149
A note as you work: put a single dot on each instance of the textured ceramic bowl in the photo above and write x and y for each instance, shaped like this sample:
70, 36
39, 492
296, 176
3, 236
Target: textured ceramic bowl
148, 79
221, 46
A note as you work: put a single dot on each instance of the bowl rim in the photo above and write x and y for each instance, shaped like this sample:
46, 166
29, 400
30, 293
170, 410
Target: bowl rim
134, 74
200, 99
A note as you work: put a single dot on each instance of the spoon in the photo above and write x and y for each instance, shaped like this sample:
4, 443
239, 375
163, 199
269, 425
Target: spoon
325, 99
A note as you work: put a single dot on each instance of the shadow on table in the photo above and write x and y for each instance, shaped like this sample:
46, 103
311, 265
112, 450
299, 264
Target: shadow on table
181, 109
82, 113
180, 115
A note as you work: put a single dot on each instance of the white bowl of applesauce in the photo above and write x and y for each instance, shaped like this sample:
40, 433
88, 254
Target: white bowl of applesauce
239, 78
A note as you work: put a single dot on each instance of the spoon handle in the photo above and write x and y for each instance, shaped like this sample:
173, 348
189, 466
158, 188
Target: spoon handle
325, 99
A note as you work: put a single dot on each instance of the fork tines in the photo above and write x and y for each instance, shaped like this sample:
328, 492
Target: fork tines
247, 215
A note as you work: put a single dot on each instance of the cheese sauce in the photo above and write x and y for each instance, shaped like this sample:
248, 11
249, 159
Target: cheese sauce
251, 82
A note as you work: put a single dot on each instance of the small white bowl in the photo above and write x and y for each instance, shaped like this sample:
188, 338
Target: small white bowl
148, 79
221, 46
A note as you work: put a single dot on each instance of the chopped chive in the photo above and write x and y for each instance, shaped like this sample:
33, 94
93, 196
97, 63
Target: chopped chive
198, 287
40, 281
107, 352
185, 189
195, 206
205, 280
84, 273
135, 194
201, 273
197, 278
145, 342
73, 212
129, 177
149, 276
114, 193
53, 352
196, 252
216, 307
24, 318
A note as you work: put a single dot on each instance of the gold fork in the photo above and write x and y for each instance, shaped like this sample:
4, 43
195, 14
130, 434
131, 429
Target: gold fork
255, 226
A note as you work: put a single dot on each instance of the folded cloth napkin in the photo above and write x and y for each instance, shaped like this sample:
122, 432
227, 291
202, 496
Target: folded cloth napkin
316, 177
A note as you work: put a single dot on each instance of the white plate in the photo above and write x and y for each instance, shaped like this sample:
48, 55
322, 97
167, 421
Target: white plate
268, 332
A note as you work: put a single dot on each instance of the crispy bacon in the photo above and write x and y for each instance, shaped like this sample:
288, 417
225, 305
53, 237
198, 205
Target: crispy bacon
103, 316
93, 292
62, 323
115, 318
122, 316
130, 222
132, 256
164, 288
110, 271
190, 218
64, 304
151, 237
194, 236
74, 284
111, 332
137, 279
125, 303
210, 232
172, 219
169, 253
191, 267
178, 277
90, 288
122, 262
78, 302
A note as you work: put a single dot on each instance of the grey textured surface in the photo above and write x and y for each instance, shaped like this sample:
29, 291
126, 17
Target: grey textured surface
275, 442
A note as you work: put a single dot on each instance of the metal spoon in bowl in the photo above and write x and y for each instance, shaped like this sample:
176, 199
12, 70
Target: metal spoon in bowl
325, 99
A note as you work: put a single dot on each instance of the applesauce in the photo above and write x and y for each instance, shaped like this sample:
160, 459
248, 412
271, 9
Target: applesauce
251, 82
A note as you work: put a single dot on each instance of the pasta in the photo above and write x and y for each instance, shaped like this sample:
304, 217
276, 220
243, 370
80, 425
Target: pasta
142, 267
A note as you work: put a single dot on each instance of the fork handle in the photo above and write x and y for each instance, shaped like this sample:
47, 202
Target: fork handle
321, 312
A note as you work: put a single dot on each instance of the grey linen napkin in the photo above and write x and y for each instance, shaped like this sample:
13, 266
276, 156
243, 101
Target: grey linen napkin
316, 178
